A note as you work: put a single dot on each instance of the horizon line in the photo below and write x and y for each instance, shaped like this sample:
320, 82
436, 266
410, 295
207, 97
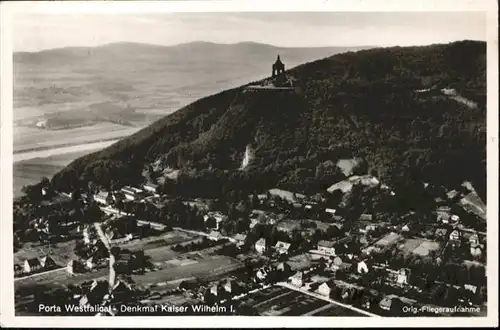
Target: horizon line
234, 44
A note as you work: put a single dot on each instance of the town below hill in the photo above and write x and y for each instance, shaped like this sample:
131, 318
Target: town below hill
347, 186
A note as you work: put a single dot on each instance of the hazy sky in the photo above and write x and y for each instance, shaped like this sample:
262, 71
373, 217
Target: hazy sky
37, 32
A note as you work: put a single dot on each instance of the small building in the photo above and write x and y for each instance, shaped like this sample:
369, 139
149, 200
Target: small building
282, 247
405, 228
362, 267
18, 269
336, 263
402, 277
330, 211
151, 187
131, 193
386, 303
47, 262
217, 216
325, 289
326, 248
476, 251
260, 245
471, 288
84, 300
31, 265
366, 217
90, 263
215, 235
474, 240
104, 197
455, 235
240, 239
283, 267
297, 279
263, 272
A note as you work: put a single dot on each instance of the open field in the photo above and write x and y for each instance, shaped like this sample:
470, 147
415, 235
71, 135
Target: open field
425, 247
204, 268
410, 244
280, 301
62, 252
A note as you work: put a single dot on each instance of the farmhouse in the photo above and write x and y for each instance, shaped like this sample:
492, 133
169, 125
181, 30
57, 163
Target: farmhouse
326, 248
282, 247
260, 245
32, 265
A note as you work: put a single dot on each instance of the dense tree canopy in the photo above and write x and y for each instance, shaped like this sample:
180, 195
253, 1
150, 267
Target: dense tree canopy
359, 104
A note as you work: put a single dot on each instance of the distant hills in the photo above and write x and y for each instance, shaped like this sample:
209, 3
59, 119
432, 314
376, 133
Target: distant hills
367, 104
142, 77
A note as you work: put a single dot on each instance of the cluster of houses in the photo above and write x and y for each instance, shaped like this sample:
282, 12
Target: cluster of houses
35, 265
280, 247
128, 193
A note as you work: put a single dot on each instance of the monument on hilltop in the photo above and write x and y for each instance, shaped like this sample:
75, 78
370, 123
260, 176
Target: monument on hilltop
278, 67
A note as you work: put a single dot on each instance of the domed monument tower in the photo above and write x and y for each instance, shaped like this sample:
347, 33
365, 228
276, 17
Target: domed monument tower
278, 67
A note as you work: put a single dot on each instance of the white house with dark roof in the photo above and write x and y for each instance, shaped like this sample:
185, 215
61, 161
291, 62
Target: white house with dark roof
326, 248
47, 262
260, 245
31, 265
282, 247
325, 289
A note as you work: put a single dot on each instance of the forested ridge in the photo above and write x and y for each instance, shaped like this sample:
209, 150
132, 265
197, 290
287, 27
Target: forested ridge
358, 104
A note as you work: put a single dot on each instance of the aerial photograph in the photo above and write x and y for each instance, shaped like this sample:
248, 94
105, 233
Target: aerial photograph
250, 164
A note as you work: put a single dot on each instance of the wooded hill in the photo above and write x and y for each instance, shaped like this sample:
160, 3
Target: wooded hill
383, 105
